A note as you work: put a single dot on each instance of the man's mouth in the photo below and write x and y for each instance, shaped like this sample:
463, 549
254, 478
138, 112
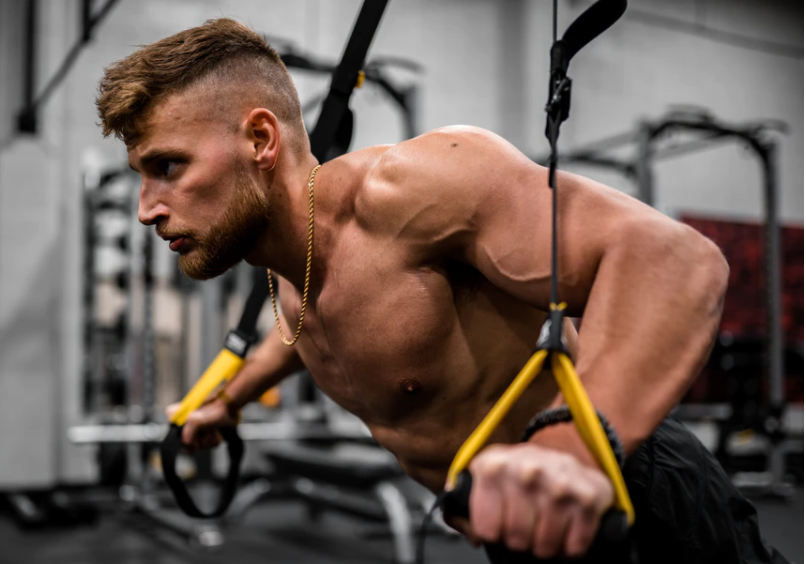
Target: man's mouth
177, 243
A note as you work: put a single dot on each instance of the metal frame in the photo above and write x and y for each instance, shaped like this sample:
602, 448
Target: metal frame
386, 503
27, 118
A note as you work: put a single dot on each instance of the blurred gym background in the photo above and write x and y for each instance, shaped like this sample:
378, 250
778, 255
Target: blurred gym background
694, 106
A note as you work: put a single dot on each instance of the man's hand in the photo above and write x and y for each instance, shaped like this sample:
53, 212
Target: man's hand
201, 428
531, 498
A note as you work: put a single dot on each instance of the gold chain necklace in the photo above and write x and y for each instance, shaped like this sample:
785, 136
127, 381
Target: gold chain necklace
307, 269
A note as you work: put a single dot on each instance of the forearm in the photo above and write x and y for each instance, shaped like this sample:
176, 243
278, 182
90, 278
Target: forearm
268, 365
647, 330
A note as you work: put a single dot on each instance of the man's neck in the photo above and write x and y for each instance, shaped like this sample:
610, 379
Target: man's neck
283, 247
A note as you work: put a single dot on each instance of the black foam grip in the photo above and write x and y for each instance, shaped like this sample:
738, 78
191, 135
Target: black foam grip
169, 449
612, 543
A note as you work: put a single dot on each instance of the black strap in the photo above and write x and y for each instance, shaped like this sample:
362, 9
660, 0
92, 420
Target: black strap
247, 326
170, 448
582, 31
587, 27
334, 125
336, 119
550, 417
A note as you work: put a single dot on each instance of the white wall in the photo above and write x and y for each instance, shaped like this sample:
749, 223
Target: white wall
644, 65
486, 64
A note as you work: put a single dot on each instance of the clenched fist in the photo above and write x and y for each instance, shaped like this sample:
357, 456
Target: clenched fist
201, 429
536, 499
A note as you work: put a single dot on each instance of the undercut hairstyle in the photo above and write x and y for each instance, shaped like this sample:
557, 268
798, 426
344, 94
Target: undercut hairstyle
223, 60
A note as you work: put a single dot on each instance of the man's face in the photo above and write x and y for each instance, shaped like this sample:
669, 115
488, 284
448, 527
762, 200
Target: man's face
195, 188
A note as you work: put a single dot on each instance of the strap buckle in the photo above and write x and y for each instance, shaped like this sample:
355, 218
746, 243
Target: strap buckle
551, 334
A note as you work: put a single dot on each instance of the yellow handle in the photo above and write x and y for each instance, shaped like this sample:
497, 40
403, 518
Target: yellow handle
482, 433
224, 367
590, 428
584, 416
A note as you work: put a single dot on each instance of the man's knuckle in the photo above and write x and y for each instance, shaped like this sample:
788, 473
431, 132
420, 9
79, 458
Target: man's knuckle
562, 460
586, 497
598, 478
491, 468
603, 491
560, 489
529, 474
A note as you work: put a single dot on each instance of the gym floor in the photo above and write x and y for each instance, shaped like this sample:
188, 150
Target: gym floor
281, 532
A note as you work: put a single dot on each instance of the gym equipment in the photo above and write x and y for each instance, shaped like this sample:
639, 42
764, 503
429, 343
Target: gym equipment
106, 343
612, 541
328, 477
27, 121
153, 433
106, 213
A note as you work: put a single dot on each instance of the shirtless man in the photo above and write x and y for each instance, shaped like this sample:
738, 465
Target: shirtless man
430, 278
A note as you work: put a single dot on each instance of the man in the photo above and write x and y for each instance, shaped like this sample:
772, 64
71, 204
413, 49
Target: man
429, 279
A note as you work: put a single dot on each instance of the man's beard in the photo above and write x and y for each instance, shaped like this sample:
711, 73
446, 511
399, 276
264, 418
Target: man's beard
226, 243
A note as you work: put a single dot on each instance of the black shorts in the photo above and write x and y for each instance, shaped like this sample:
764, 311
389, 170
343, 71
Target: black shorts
686, 508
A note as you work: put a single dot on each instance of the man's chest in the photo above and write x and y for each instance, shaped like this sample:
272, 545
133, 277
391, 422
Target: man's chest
376, 334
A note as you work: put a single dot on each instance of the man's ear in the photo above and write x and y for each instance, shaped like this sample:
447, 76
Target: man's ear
263, 134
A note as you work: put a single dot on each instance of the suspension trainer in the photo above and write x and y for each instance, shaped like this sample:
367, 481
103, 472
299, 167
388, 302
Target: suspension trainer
613, 531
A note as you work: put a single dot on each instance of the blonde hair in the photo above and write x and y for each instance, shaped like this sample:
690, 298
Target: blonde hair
221, 54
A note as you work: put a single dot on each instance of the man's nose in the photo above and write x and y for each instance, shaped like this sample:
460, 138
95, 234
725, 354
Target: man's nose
149, 209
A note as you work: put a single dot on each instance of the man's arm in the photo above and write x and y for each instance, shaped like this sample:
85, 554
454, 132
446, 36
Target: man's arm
650, 288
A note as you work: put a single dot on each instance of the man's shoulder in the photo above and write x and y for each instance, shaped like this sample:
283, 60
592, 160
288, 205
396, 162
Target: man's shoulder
444, 144
432, 165
416, 190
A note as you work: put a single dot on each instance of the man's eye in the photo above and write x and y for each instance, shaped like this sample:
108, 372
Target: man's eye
166, 166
